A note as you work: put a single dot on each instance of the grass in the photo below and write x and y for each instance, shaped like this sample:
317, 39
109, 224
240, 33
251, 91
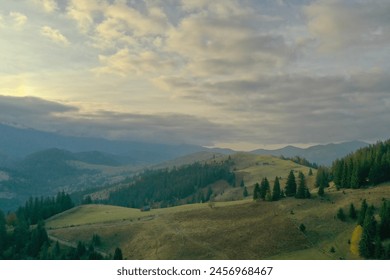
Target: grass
231, 230
241, 229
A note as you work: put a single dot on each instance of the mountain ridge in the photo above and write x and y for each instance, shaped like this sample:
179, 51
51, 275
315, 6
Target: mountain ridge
323, 154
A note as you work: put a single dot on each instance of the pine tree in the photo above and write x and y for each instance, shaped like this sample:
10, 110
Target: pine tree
352, 212
256, 192
245, 192
362, 212
291, 185
118, 254
384, 226
355, 184
322, 178
367, 242
264, 187
310, 172
276, 189
242, 184
301, 186
341, 215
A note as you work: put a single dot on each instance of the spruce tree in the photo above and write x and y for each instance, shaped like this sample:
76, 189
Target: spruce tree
362, 212
264, 187
301, 191
276, 189
352, 212
322, 178
384, 226
256, 192
367, 242
291, 185
341, 215
245, 192
118, 254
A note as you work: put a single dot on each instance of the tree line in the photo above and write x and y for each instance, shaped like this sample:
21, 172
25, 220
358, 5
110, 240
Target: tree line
36, 209
165, 187
23, 234
292, 188
366, 166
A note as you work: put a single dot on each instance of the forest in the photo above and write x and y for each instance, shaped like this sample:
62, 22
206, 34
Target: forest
367, 166
167, 186
23, 234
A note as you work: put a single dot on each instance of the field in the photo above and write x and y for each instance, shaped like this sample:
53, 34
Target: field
229, 228
226, 230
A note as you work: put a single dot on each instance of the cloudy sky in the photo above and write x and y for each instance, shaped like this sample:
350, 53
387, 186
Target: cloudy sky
234, 73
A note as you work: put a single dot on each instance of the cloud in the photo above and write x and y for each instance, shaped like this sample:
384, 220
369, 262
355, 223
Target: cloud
30, 111
297, 108
48, 5
85, 11
70, 120
341, 24
54, 35
124, 63
19, 19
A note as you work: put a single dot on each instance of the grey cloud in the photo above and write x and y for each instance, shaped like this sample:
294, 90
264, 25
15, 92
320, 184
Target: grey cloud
31, 106
69, 120
302, 108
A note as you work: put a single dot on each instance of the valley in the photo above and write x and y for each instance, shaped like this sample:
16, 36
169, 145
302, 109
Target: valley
207, 204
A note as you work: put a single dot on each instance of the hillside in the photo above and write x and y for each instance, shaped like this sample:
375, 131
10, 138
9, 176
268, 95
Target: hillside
229, 230
319, 154
209, 179
49, 171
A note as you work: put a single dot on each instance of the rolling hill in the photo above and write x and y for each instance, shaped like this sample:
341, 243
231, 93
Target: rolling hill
230, 230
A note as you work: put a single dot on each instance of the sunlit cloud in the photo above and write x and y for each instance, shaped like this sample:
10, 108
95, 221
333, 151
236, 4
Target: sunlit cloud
54, 35
234, 71
49, 6
19, 19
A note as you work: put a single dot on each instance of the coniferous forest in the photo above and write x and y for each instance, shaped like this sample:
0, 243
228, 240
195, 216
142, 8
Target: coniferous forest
366, 166
23, 234
165, 187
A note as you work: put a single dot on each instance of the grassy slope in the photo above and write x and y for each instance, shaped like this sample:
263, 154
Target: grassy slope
232, 230
240, 229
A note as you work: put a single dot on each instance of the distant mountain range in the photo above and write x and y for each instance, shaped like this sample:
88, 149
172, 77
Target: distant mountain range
319, 154
35, 163
18, 143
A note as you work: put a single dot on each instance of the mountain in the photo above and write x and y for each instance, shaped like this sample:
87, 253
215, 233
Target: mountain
319, 154
46, 172
20, 142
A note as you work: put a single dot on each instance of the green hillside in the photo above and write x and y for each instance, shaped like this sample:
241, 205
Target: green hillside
225, 230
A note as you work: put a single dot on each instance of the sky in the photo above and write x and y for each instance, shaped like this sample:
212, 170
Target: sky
242, 74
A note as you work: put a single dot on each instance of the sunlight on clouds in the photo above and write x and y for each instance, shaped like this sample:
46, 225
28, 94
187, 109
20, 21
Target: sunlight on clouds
125, 63
83, 12
19, 19
48, 5
154, 22
256, 71
54, 35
